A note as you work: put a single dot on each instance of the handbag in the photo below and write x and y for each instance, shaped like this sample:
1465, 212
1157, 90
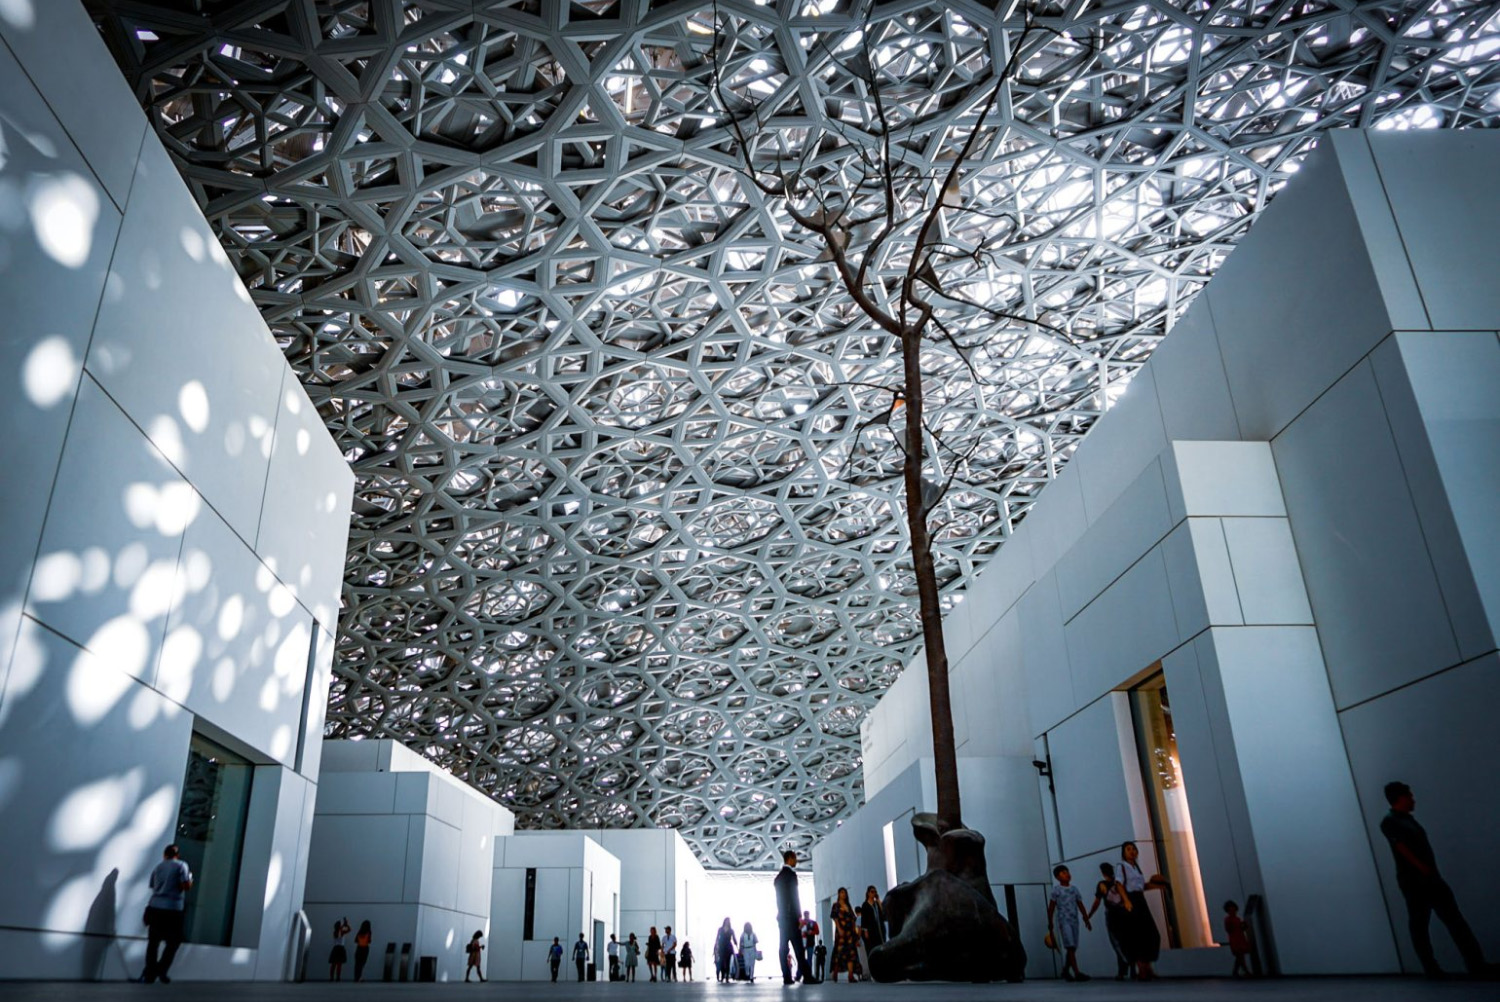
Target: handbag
1050, 940
759, 955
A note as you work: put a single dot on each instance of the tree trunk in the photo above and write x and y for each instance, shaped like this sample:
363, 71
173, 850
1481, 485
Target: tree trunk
944, 754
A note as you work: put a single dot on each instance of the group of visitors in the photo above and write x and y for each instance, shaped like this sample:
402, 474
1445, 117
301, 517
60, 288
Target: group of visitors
1127, 918
1120, 891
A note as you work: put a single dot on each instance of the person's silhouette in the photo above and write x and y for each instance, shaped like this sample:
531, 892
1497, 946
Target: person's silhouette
1425, 890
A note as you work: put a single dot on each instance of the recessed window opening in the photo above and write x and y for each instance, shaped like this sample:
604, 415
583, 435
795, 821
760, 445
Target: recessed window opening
1188, 924
211, 837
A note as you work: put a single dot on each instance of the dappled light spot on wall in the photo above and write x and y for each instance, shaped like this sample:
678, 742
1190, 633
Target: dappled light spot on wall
63, 211
18, 13
50, 372
281, 742
180, 654
146, 707
192, 241
165, 434
304, 441
197, 568
153, 593
260, 430
86, 816
222, 684
273, 879
192, 403
93, 687
231, 618
169, 508
234, 438
61, 575
130, 564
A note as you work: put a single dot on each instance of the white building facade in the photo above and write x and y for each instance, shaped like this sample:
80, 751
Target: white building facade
176, 516
1264, 586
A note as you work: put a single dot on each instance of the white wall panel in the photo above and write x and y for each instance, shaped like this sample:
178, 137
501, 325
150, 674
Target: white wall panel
201, 378
1267, 574
1124, 630
237, 644
1181, 561
92, 821
1408, 735
357, 857
1222, 478
1053, 528
1115, 539
1113, 454
1369, 577
1453, 377
440, 865
53, 276
1044, 656
1093, 803
304, 526
1191, 388
62, 51
108, 564
1327, 310
357, 793
1323, 897
1445, 236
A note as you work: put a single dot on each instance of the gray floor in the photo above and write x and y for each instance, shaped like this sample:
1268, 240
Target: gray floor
1170, 990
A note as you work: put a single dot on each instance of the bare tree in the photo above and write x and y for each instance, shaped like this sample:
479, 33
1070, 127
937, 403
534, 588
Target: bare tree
892, 214
893, 225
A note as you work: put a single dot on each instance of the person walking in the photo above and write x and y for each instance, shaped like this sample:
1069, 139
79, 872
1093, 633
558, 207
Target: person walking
653, 952
475, 950
362, 940
580, 955
668, 954
1423, 887
1110, 893
724, 944
788, 908
749, 952
613, 952
554, 956
685, 961
632, 956
820, 961
170, 881
1239, 940
871, 920
809, 927
845, 938
339, 955
1143, 939
1064, 907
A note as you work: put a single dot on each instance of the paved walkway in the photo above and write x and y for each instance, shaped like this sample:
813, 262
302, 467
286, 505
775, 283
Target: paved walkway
1169, 990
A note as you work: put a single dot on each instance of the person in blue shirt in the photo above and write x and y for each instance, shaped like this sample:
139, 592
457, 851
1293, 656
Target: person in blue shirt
554, 956
170, 882
580, 955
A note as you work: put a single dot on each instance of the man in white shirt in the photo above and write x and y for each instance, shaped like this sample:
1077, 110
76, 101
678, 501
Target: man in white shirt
669, 955
613, 950
170, 882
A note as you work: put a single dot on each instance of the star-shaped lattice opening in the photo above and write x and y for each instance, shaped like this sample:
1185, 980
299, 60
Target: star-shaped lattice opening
617, 556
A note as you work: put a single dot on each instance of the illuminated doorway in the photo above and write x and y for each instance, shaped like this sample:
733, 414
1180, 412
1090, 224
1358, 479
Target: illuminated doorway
1188, 924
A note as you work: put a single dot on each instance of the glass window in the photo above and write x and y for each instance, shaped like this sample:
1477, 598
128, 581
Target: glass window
1188, 923
211, 836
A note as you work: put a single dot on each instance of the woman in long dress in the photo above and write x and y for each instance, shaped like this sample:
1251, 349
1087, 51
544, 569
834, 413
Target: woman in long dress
1142, 939
845, 938
653, 952
724, 944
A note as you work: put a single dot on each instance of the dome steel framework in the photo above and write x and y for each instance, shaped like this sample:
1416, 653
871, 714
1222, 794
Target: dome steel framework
618, 556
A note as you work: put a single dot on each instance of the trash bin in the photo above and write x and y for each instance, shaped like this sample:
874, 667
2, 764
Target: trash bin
593, 973
427, 969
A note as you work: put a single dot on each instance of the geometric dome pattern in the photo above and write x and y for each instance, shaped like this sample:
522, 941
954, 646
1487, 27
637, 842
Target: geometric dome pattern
628, 548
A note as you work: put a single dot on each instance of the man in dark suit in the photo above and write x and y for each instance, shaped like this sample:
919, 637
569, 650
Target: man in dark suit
788, 914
